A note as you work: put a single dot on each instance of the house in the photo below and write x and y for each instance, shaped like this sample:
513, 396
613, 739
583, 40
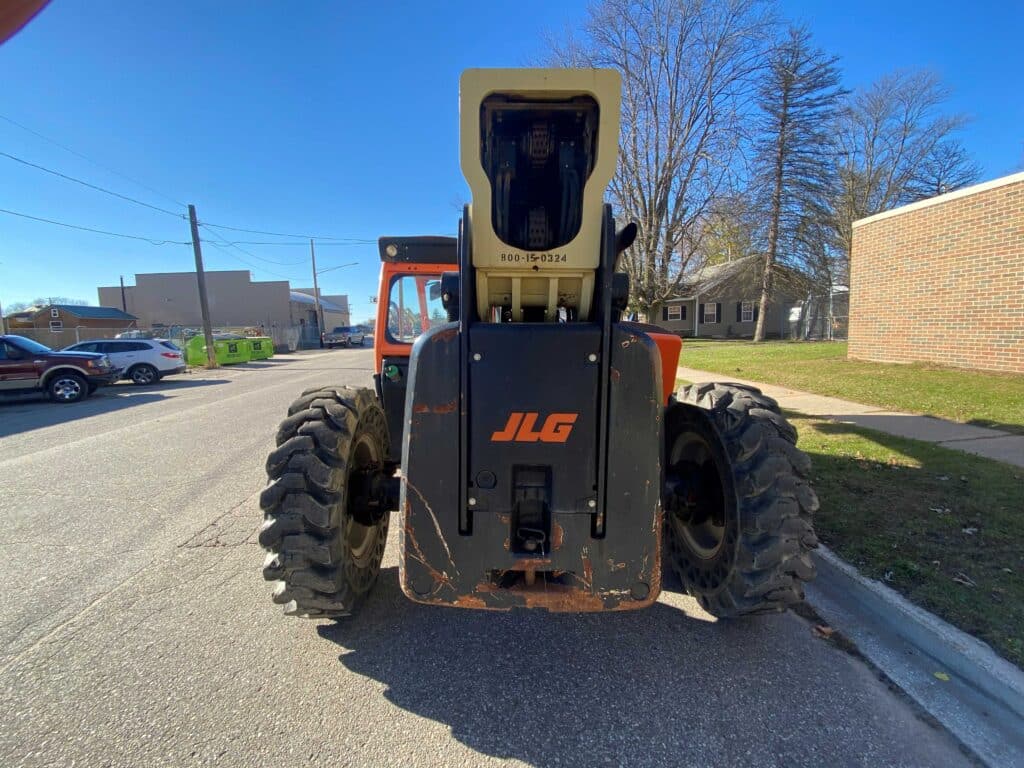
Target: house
236, 301
942, 280
58, 325
722, 301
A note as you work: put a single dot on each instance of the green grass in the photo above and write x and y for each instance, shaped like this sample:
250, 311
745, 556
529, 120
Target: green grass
944, 528
975, 397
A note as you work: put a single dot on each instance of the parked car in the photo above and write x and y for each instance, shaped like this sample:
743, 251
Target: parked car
28, 366
143, 361
344, 336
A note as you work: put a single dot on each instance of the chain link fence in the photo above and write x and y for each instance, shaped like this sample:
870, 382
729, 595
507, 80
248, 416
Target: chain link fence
286, 339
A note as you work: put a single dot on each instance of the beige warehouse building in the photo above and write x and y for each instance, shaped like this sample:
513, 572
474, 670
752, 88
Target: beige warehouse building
171, 299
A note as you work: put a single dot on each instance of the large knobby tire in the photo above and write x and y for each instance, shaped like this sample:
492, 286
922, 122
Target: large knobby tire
742, 546
325, 548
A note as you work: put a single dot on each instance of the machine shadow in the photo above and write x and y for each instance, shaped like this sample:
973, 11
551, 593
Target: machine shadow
29, 412
576, 689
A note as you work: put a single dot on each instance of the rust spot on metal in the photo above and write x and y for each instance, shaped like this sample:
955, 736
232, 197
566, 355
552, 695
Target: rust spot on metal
470, 601
528, 565
505, 519
613, 566
557, 535
446, 335
507, 544
437, 409
615, 374
440, 579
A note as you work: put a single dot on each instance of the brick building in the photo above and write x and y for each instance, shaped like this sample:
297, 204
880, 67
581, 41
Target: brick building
942, 280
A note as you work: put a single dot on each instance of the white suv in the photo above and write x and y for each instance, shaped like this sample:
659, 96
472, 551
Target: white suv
143, 361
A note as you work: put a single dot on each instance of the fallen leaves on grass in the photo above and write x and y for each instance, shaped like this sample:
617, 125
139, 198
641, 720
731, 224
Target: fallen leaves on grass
963, 578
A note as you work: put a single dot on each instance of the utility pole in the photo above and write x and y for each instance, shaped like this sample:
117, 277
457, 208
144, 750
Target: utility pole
204, 306
124, 303
316, 294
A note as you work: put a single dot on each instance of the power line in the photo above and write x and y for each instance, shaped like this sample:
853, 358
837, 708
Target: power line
236, 246
150, 240
322, 238
304, 244
249, 263
92, 186
354, 240
94, 162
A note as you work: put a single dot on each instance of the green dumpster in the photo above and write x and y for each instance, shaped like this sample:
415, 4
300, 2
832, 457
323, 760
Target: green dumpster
195, 351
260, 347
227, 350
231, 351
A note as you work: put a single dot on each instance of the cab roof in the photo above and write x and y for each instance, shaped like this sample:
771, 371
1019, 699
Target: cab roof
423, 249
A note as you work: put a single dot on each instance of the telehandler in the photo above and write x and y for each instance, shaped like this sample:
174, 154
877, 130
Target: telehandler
527, 435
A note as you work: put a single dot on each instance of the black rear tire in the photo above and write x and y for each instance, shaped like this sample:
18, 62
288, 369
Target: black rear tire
143, 374
325, 549
742, 547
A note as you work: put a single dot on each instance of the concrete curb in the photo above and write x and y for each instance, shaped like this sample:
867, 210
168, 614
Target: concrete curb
982, 704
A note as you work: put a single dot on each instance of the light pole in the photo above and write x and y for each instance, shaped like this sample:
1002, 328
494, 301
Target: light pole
316, 287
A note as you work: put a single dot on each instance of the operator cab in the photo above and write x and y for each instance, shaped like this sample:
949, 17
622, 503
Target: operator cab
409, 304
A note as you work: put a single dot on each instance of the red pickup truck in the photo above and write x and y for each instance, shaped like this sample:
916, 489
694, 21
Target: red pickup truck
28, 366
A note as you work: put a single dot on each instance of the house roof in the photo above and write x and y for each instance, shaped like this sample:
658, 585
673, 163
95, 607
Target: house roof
95, 313
711, 277
305, 298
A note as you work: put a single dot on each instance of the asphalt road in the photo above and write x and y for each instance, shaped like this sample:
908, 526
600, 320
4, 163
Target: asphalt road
137, 631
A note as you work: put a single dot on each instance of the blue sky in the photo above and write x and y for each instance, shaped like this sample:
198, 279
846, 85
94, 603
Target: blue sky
342, 120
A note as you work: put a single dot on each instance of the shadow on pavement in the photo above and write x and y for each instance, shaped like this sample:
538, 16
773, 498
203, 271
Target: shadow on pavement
652, 687
24, 413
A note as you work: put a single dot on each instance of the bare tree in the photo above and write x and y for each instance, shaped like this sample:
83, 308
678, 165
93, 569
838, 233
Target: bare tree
946, 168
799, 97
731, 230
688, 70
19, 306
893, 141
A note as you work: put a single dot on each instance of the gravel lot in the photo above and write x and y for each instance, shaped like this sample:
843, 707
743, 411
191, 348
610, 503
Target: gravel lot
137, 630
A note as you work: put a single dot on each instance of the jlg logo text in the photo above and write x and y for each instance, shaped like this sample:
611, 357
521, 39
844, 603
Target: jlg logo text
520, 428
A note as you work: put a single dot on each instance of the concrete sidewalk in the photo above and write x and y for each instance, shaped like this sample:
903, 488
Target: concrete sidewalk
990, 443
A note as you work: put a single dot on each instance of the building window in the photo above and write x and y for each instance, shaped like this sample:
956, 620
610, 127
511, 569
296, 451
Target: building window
56, 325
675, 312
747, 312
710, 314
54, 312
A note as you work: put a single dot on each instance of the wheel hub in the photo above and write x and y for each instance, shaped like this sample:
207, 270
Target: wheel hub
67, 389
695, 495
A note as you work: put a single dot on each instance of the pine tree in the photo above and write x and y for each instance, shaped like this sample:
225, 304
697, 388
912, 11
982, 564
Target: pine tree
798, 99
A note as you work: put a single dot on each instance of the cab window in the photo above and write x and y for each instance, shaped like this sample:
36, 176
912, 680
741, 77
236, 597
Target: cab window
414, 306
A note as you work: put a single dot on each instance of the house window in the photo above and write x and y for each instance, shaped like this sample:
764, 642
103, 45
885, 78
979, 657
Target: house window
675, 312
54, 312
747, 312
56, 325
710, 314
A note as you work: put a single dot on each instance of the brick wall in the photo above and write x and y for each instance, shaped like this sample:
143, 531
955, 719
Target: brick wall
943, 280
